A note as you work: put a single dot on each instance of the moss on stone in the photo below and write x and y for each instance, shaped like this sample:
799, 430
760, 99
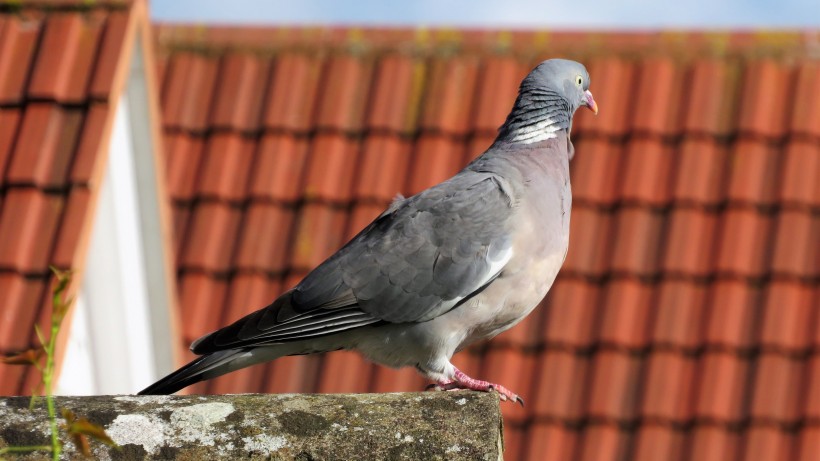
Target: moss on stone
431, 425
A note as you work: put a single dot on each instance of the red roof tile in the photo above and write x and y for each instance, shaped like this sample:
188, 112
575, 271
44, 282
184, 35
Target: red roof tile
512, 369
292, 92
654, 442
774, 396
330, 169
625, 316
721, 387
805, 118
344, 372
743, 243
384, 161
279, 167
211, 237
21, 300
590, 234
247, 378
572, 310
638, 241
18, 39
550, 442
596, 171
186, 97
513, 436
239, 107
73, 223
796, 244
60, 64
47, 139
800, 180
689, 245
603, 442
810, 406
752, 173
669, 387
392, 380
731, 316
713, 443
88, 164
182, 167
559, 394
318, 234
699, 171
447, 103
113, 44
764, 103
682, 324
28, 225
397, 90
659, 98
263, 239
291, 374
225, 167
766, 442
436, 158
14, 381
679, 312
787, 316
808, 444
614, 392
9, 120
343, 93
497, 90
646, 178
198, 292
713, 97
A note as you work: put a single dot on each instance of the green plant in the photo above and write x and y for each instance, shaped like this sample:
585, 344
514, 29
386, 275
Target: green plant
78, 429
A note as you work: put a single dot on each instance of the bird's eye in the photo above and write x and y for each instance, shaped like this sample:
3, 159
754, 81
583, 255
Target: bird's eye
579, 80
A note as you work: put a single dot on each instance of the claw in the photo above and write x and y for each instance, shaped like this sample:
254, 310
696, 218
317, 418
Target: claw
462, 381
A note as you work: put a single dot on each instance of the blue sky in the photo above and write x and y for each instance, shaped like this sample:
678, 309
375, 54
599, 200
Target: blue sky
608, 14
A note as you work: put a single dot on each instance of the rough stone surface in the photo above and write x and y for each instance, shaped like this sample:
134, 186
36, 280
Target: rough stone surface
461, 425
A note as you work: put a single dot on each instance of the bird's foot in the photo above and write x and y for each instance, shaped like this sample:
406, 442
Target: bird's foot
463, 381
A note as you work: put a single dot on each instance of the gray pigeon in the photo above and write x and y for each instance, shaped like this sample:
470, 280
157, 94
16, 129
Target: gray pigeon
457, 263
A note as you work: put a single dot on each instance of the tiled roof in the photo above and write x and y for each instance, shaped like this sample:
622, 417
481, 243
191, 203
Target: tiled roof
684, 325
60, 70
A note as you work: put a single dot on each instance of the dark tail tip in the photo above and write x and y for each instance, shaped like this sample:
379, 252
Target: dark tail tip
176, 381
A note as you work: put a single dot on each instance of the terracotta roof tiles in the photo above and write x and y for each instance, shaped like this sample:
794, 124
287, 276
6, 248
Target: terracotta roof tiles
683, 325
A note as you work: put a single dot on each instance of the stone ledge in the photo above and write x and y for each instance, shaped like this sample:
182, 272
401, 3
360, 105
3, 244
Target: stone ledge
458, 425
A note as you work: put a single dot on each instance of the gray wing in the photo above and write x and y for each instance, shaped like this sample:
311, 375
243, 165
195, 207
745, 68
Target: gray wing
416, 261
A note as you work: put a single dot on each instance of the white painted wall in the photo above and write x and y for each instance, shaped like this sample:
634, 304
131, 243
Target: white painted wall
120, 337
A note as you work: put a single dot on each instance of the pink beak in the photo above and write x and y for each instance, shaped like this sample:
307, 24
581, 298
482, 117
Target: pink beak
590, 102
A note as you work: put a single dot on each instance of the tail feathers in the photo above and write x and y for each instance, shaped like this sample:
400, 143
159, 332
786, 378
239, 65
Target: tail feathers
205, 367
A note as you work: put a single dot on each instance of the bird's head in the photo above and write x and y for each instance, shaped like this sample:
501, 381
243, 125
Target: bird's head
568, 79
547, 100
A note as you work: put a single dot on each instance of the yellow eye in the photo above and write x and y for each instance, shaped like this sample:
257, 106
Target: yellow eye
579, 80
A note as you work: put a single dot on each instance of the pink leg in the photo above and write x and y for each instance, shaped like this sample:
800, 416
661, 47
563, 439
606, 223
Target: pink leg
463, 381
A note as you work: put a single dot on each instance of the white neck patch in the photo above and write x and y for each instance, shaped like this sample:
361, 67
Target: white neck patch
540, 131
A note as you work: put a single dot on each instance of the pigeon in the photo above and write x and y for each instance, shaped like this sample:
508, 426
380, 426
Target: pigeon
457, 263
